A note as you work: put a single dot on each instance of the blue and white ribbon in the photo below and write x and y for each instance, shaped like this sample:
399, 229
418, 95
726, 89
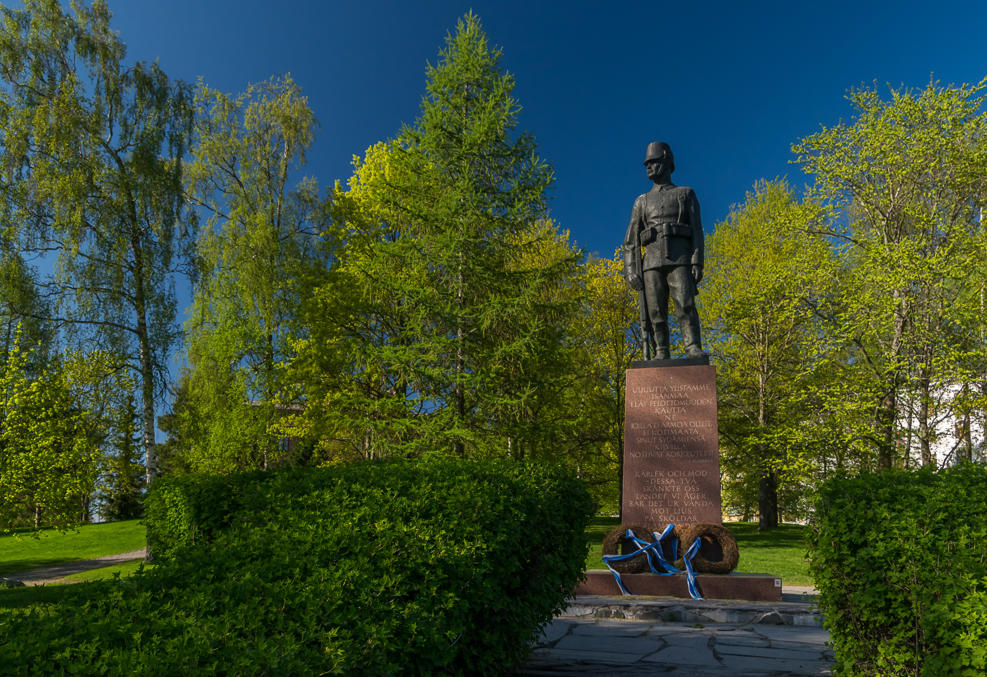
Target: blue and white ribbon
653, 553
690, 576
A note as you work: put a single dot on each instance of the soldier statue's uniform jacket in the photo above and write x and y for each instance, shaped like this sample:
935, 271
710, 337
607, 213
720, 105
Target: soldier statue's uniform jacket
665, 220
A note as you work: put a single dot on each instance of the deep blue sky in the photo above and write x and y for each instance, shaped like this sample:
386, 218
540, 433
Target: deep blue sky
730, 85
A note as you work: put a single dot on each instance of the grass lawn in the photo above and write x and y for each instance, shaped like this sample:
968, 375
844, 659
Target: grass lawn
107, 573
41, 596
24, 551
780, 552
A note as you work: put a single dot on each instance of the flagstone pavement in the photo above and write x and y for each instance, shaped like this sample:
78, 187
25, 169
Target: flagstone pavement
675, 637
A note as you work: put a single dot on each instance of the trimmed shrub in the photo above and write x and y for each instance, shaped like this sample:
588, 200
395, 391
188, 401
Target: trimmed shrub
900, 560
377, 568
188, 510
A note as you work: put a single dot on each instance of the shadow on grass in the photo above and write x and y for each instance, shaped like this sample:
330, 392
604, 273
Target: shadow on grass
785, 536
40, 595
599, 527
15, 566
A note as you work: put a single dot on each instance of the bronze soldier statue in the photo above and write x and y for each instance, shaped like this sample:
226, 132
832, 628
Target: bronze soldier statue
665, 221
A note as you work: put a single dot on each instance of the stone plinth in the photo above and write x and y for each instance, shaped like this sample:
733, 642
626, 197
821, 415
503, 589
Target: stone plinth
671, 456
750, 587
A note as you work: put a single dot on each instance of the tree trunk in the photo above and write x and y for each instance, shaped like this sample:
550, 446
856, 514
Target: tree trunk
887, 413
460, 395
908, 432
767, 486
967, 445
886, 425
924, 432
767, 501
146, 364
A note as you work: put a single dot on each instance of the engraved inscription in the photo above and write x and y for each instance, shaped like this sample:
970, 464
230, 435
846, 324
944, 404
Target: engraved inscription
671, 463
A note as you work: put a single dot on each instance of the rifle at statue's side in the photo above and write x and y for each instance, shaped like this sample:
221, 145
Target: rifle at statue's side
634, 275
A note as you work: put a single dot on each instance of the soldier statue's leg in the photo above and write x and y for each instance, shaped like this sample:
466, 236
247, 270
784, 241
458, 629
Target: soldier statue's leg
683, 290
656, 293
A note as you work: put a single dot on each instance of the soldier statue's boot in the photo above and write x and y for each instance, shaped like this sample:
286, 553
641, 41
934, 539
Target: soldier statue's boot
649, 347
689, 326
661, 341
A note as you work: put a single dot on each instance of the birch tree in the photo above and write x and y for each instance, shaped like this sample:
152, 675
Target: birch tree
91, 166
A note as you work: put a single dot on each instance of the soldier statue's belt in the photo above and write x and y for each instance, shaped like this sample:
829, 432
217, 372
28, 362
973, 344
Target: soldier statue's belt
669, 230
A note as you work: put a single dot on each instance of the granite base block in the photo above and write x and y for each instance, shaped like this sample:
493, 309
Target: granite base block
749, 587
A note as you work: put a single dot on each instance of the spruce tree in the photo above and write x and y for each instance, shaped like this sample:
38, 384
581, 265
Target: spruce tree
121, 494
452, 299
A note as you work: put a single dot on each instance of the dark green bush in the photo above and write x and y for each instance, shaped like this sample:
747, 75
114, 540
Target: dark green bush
185, 510
381, 568
900, 560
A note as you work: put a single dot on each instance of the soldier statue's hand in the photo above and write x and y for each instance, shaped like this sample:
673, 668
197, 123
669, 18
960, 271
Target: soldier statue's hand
697, 274
635, 281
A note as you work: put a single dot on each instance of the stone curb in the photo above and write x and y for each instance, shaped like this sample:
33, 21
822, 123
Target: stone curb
674, 610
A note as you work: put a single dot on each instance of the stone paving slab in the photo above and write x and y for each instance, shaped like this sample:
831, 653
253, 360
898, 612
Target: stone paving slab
681, 656
604, 643
587, 645
609, 627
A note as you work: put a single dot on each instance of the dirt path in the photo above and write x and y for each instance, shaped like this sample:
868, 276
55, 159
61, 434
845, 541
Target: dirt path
55, 574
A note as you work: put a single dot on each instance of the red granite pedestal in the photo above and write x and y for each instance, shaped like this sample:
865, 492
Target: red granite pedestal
671, 447
749, 587
672, 476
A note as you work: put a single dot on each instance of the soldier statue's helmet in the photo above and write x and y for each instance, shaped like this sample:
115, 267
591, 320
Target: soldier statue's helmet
658, 150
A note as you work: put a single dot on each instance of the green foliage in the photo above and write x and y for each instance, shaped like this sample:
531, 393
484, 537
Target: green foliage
39, 598
191, 510
91, 165
21, 306
763, 270
22, 551
442, 330
120, 494
48, 459
907, 180
183, 426
900, 561
604, 341
256, 257
378, 568
849, 327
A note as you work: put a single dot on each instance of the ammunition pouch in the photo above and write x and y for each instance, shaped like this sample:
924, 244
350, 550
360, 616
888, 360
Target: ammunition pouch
664, 230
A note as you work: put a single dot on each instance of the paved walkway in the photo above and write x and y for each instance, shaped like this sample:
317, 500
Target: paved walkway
623, 648
623, 636
55, 574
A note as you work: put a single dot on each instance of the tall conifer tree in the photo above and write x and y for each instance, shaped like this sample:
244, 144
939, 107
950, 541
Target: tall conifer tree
452, 290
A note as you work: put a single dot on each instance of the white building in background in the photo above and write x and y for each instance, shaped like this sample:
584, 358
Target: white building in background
950, 445
950, 442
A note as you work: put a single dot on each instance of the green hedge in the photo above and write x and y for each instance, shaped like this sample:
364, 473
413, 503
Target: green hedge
188, 510
900, 561
378, 568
